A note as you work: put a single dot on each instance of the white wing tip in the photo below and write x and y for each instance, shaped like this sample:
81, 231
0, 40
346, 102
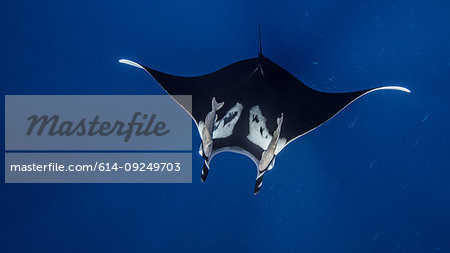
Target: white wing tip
393, 88
131, 63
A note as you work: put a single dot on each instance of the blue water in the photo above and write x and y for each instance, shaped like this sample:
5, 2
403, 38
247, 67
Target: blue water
376, 178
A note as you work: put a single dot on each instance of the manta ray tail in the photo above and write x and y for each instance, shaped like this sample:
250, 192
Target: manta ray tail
260, 45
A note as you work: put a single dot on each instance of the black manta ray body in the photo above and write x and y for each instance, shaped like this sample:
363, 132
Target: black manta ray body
253, 107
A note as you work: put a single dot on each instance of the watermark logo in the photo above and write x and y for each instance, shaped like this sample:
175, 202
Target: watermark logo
69, 122
140, 124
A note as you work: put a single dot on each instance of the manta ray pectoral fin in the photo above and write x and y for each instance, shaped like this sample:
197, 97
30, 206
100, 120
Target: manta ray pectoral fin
162, 79
345, 99
392, 88
131, 63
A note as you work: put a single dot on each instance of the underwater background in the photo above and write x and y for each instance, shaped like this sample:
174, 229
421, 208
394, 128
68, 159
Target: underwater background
375, 178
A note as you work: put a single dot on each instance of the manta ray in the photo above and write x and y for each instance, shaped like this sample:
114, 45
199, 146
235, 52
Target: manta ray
253, 107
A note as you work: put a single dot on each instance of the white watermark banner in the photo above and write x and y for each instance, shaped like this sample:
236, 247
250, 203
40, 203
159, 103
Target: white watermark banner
98, 139
97, 122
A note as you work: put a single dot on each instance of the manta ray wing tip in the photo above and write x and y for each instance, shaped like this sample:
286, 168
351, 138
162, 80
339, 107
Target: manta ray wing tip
131, 63
393, 88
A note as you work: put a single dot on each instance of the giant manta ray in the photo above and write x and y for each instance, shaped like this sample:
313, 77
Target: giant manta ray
253, 107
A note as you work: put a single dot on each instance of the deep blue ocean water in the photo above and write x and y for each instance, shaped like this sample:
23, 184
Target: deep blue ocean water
376, 178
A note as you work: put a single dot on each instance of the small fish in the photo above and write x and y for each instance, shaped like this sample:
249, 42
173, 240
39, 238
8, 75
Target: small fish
371, 165
207, 131
314, 62
396, 248
415, 144
426, 117
381, 52
376, 236
268, 156
207, 136
353, 123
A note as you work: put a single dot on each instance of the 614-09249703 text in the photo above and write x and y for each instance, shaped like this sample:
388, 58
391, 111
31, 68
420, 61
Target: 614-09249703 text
98, 167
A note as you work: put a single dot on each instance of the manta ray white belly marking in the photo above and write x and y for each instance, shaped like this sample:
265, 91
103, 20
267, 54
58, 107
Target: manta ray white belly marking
258, 132
224, 127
